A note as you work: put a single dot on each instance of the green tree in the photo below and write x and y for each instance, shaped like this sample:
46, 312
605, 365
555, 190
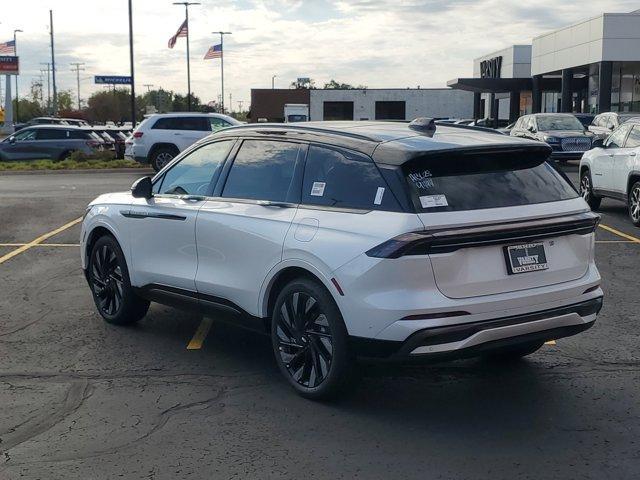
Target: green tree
65, 100
343, 86
114, 105
308, 85
28, 109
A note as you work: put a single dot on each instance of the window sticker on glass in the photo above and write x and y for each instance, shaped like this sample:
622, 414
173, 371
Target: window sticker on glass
317, 190
422, 179
433, 201
379, 194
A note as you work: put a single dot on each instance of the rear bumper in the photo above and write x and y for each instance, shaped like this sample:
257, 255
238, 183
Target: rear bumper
475, 338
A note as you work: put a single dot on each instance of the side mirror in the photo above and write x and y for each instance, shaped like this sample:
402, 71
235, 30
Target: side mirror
597, 143
142, 188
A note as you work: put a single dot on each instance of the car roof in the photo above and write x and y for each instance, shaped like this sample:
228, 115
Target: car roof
391, 143
187, 114
54, 126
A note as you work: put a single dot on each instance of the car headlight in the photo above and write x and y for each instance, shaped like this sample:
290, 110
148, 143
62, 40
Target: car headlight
550, 139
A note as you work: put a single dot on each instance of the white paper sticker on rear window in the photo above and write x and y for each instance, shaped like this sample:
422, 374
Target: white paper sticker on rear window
379, 194
317, 190
433, 201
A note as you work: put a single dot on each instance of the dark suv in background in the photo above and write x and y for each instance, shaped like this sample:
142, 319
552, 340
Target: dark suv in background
564, 133
55, 142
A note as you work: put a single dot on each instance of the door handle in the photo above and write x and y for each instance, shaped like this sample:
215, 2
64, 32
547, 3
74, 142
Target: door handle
192, 198
267, 203
632, 154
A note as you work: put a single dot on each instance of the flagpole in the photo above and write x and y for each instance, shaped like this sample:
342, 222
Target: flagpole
186, 11
222, 34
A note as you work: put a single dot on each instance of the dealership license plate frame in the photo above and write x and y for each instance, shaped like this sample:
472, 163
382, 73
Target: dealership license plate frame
522, 250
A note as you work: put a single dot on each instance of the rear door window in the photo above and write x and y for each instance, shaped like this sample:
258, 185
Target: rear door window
483, 181
633, 140
616, 139
51, 134
343, 179
218, 123
263, 170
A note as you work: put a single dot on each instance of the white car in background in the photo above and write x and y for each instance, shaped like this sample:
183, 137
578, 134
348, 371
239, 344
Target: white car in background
612, 169
160, 137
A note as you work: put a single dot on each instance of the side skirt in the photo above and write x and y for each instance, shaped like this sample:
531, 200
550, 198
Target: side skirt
205, 304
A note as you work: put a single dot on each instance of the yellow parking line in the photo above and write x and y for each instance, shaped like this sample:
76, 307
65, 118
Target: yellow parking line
40, 245
550, 342
39, 240
200, 335
620, 234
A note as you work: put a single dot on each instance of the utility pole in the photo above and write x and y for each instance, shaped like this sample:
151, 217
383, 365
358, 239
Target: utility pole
133, 87
48, 70
15, 52
53, 64
186, 13
273, 82
148, 85
222, 34
230, 104
78, 69
240, 102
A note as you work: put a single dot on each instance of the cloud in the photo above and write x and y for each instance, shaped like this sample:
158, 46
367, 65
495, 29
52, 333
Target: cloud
379, 43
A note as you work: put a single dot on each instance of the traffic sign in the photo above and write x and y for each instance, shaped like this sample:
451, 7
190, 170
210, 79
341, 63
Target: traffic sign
112, 80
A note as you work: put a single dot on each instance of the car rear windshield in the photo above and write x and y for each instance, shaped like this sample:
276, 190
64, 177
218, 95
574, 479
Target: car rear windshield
483, 181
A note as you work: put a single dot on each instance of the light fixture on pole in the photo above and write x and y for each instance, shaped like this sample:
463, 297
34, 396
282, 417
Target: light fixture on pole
186, 13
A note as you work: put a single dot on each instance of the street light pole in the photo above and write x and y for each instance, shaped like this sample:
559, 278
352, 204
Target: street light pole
273, 82
15, 52
78, 68
133, 87
222, 34
53, 65
186, 13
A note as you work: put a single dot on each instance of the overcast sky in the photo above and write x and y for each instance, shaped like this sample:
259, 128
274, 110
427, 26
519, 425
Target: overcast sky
378, 43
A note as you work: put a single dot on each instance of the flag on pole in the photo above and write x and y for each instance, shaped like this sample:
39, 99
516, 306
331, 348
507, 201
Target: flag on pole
215, 51
8, 48
182, 32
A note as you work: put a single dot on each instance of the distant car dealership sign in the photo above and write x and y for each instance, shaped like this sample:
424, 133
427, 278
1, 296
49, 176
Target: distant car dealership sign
491, 68
112, 80
9, 65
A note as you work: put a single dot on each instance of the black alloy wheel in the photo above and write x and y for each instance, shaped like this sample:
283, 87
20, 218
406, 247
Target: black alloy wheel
305, 341
106, 280
310, 340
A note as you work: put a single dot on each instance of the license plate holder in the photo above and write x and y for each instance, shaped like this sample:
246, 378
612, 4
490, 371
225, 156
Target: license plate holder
525, 258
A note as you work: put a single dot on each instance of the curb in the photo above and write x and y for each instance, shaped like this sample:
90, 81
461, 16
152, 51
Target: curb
142, 171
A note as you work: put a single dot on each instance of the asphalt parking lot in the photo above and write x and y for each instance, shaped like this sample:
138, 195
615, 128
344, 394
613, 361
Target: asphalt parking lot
166, 399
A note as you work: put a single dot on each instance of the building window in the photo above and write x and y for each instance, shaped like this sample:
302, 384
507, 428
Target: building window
391, 110
338, 110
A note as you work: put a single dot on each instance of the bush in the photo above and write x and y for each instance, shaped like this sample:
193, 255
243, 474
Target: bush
67, 164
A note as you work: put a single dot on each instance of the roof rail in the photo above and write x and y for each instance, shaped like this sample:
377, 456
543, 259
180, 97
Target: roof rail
273, 128
469, 127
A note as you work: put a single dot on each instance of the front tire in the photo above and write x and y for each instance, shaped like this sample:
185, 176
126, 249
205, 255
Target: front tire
634, 204
514, 352
310, 340
586, 191
109, 280
162, 156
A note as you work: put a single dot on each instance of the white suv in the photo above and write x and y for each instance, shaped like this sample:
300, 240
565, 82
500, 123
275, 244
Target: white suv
354, 239
612, 169
160, 137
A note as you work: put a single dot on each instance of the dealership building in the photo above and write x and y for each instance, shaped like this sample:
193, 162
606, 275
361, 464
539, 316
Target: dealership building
363, 104
592, 66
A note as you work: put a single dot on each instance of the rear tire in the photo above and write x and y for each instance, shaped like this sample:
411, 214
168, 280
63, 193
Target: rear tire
109, 280
634, 204
514, 352
586, 191
162, 156
310, 340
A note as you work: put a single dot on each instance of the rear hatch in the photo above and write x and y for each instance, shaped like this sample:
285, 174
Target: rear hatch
499, 222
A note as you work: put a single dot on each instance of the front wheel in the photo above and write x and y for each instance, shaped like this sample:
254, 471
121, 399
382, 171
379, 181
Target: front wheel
310, 340
586, 191
109, 280
634, 204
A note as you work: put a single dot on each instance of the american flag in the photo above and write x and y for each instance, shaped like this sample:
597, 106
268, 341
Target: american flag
182, 32
8, 48
215, 51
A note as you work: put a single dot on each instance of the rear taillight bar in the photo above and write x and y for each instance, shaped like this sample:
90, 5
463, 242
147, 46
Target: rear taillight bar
137, 134
450, 240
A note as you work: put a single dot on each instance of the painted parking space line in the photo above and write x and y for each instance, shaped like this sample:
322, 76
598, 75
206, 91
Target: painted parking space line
201, 333
39, 240
40, 245
550, 342
628, 237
